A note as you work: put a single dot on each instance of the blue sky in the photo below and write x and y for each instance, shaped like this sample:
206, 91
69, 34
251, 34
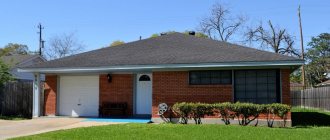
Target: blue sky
99, 22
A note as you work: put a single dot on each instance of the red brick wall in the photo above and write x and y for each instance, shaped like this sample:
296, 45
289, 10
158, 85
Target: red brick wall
50, 95
172, 87
285, 77
168, 87
119, 90
285, 80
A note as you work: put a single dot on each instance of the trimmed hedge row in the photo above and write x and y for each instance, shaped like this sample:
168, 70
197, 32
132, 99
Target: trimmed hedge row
244, 112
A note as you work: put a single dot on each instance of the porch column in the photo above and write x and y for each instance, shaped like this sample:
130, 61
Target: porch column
36, 96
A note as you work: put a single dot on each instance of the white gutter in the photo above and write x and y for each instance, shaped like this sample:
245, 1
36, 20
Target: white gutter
161, 66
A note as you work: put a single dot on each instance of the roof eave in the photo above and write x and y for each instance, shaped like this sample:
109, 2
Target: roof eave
293, 64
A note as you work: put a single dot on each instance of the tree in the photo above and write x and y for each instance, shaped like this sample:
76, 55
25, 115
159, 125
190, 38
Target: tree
295, 77
5, 51
220, 25
116, 43
10, 49
318, 58
276, 39
64, 45
320, 47
5, 75
14, 48
315, 73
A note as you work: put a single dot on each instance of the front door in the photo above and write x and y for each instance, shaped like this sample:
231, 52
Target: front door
143, 94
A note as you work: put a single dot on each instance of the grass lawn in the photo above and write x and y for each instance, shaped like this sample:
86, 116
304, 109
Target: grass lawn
298, 109
177, 131
308, 124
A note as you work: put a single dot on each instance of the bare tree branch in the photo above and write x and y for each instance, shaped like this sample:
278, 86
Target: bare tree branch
220, 25
276, 39
64, 45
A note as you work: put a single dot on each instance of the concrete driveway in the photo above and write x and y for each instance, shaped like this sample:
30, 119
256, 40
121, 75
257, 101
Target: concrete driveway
10, 129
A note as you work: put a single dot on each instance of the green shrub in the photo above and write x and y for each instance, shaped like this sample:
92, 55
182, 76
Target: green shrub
246, 112
183, 110
225, 111
199, 110
276, 109
195, 111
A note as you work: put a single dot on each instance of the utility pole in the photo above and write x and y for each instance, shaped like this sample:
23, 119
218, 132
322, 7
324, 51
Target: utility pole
41, 42
302, 49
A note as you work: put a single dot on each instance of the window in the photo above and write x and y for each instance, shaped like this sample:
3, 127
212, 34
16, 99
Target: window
257, 86
144, 78
210, 77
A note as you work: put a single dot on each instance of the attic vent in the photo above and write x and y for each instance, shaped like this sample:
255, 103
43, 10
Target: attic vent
191, 32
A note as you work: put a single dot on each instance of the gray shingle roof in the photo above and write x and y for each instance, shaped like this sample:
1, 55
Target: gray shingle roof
173, 48
16, 59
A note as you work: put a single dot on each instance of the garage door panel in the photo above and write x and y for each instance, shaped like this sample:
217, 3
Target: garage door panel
79, 96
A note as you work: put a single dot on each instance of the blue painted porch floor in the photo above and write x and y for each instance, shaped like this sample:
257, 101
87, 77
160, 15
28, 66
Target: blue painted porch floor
119, 120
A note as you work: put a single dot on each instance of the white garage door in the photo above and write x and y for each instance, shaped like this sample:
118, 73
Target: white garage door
79, 96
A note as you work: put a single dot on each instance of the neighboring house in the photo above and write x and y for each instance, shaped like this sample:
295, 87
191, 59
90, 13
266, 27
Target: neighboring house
17, 60
167, 69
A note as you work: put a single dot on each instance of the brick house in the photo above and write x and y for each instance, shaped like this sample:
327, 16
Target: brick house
166, 69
